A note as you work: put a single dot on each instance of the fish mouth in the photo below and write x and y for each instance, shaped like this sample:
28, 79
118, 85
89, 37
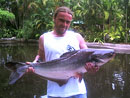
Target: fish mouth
98, 61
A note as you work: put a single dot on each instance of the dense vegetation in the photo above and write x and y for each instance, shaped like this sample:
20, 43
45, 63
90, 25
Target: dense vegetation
96, 20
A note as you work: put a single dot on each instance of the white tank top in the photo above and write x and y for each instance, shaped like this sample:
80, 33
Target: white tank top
54, 47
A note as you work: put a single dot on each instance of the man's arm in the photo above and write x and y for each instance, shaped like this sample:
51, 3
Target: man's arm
82, 43
41, 53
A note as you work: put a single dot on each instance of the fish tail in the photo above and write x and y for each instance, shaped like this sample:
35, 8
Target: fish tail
18, 70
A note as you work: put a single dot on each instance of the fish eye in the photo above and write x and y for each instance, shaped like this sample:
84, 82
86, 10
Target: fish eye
96, 60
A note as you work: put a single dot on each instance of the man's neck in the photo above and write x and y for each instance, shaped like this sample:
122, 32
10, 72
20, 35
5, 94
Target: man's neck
58, 34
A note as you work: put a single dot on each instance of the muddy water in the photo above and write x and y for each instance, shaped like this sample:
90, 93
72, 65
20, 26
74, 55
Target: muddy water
111, 81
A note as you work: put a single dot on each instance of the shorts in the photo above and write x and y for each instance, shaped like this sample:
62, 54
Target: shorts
75, 96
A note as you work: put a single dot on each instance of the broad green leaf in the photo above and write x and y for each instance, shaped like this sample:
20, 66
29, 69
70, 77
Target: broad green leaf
106, 13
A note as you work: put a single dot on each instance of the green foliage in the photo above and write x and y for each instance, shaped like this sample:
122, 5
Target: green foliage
103, 18
27, 31
6, 15
39, 21
5, 18
99, 20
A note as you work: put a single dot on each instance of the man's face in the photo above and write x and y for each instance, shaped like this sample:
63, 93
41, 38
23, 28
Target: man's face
62, 22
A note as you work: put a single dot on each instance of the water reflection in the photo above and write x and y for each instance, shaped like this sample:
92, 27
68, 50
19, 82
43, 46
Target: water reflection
30, 84
118, 80
111, 81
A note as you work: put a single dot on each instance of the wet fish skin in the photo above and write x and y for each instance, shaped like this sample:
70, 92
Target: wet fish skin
70, 64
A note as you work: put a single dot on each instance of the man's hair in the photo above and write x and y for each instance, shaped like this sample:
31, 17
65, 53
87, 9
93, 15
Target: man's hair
62, 9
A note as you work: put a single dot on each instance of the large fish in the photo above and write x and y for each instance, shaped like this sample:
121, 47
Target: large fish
70, 64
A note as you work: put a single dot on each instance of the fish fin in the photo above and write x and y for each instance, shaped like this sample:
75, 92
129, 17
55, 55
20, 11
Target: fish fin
14, 77
12, 66
18, 70
80, 76
59, 82
90, 52
62, 82
68, 54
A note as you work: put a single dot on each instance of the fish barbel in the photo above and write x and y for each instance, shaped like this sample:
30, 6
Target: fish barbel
70, 64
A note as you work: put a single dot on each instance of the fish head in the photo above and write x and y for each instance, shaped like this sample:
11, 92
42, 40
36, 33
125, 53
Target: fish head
101, 56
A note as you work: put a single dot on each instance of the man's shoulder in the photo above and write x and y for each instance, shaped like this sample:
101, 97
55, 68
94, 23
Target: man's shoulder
73, 33
70, 31
46, 33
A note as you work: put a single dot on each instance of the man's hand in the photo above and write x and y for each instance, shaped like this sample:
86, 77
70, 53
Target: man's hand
30, 69
91, 67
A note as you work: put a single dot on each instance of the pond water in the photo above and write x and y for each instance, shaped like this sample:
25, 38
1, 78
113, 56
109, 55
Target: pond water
111, 81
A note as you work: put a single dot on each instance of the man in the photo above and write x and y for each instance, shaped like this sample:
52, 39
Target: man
53, 44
